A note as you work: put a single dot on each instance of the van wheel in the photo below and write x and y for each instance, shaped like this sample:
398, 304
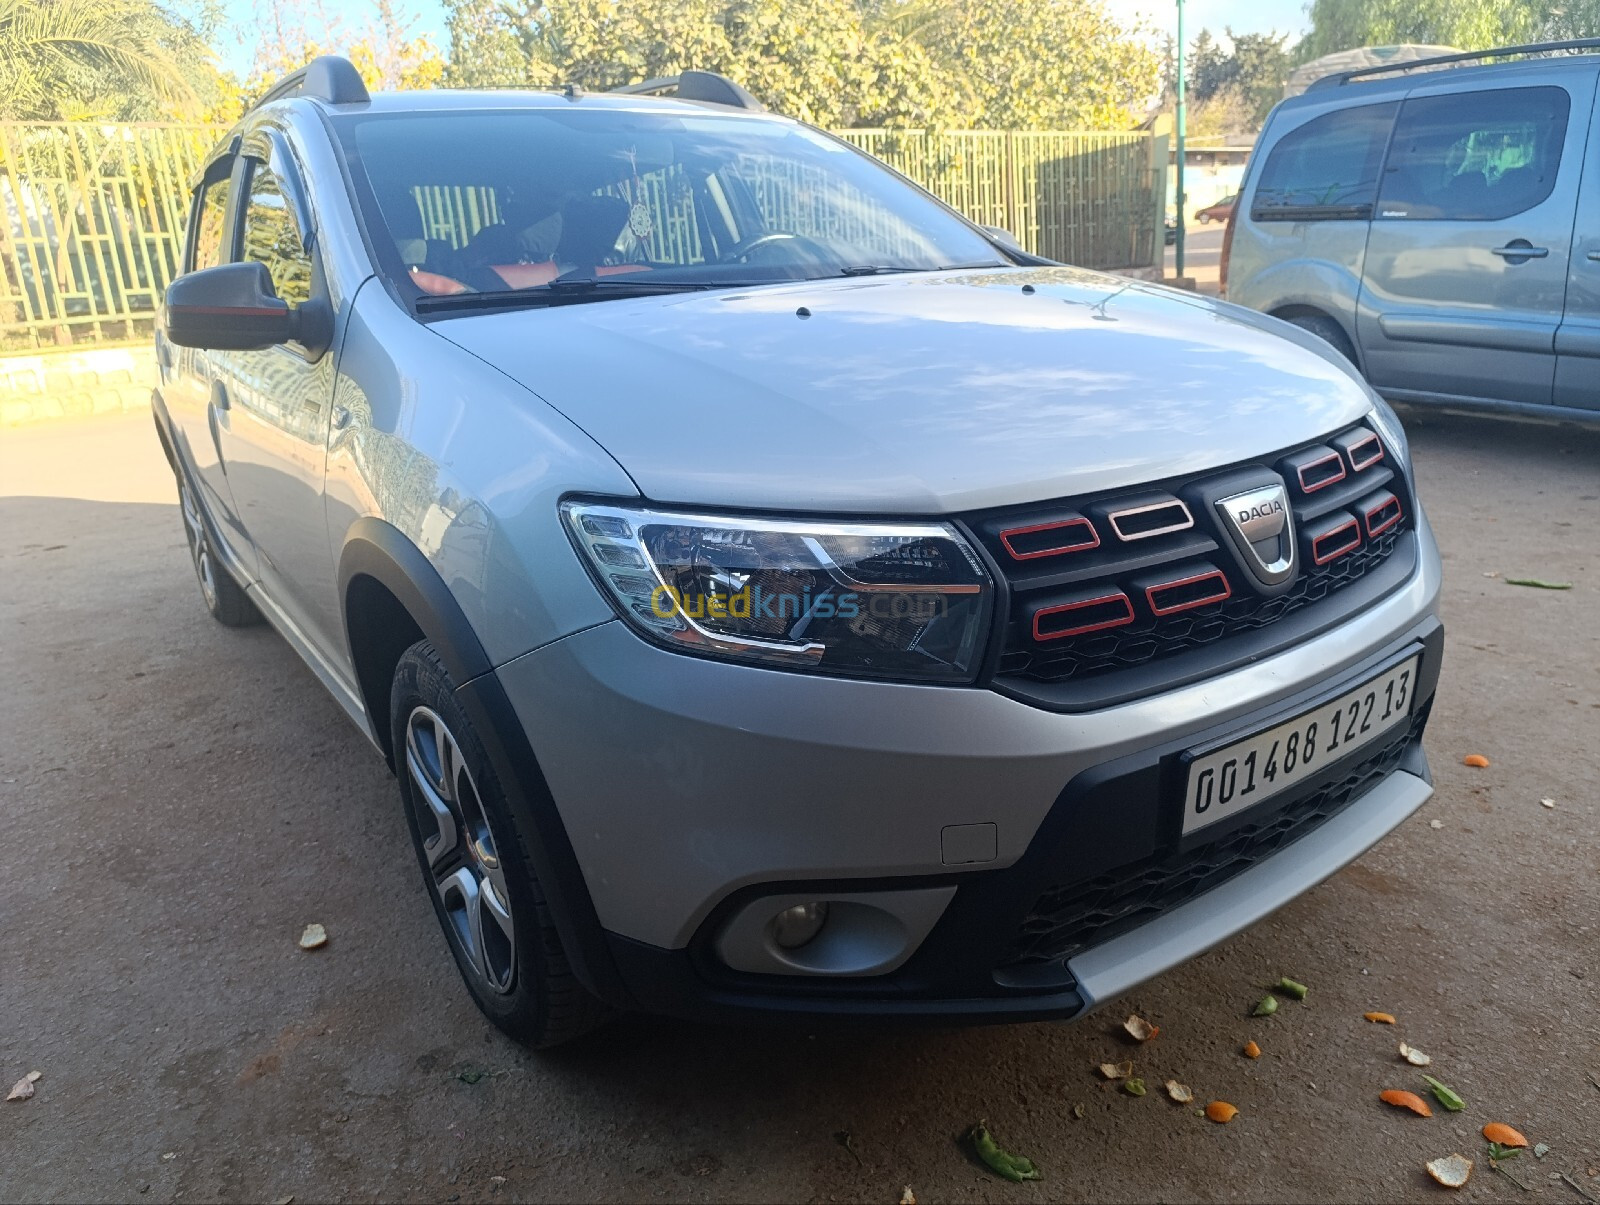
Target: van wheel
1327, 330
475, 862
224, 597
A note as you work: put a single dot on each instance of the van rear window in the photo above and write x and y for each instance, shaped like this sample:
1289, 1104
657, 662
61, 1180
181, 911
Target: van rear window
1327, 169
1474, 156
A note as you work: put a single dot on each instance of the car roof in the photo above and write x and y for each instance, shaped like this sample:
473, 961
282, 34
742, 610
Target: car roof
1401, 82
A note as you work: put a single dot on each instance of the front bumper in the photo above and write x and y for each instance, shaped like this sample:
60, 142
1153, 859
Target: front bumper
688, 788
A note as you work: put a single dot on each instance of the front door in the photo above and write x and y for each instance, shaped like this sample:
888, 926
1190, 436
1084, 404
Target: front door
1466, 263
275, 434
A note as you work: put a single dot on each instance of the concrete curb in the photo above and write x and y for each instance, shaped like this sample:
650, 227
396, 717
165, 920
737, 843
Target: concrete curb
80, 383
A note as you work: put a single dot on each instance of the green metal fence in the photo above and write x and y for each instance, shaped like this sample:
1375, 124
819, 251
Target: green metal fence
92, 216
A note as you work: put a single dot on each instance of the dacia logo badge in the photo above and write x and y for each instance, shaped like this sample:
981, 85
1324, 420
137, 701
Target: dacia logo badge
1262, 528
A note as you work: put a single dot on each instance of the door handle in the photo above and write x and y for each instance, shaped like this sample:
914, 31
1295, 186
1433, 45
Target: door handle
341, 418
1595, 256
219, 396
1520, 249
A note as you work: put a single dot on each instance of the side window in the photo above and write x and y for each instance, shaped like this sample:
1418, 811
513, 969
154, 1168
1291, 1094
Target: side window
1326, 169
211, 206
272, 237
1474, 156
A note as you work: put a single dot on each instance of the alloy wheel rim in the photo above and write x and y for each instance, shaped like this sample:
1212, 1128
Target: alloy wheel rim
199, 545
464, 864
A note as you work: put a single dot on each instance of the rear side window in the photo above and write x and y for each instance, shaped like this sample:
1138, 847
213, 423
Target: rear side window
209, 212
1327, 169
1474, 156
272, 236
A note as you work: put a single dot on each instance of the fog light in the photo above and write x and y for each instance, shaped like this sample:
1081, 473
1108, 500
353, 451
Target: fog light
794, 927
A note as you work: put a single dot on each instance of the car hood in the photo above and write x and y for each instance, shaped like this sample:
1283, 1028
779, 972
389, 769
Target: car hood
919, 393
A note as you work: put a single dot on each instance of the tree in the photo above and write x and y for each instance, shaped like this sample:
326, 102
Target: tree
1042, 64
1016, 63
1469, 24
117, 60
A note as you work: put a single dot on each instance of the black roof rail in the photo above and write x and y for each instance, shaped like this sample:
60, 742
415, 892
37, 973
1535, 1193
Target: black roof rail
704, 86
1339, 79
328, 77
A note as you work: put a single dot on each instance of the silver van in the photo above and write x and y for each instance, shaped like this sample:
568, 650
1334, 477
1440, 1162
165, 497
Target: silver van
1439, 227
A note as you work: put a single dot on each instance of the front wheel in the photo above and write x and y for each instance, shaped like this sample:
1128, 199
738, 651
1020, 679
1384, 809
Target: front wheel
475, 863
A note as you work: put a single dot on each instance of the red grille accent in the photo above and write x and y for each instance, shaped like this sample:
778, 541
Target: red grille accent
1096, 625
1383, 516
1331, 545
1183, 584
1081, 546
1365, 452
1309, 477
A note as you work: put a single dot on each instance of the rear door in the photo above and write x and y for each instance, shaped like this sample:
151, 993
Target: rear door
1466, 264
191, 385
1578, 340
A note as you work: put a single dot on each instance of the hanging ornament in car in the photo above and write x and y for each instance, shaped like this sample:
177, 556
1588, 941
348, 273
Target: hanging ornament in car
639, 220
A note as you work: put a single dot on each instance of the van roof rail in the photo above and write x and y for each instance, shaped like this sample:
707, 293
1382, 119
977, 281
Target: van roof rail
705, 86
328, 77
1339, 79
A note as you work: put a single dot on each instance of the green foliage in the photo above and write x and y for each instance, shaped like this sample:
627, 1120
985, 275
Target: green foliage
1469, 24
111, 60
1007, 63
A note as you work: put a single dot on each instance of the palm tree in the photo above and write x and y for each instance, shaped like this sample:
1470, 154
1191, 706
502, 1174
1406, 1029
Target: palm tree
97, 58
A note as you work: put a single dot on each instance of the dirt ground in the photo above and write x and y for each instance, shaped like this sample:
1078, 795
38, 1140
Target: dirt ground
178, 800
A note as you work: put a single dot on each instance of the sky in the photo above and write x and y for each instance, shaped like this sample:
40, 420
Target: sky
1246, 16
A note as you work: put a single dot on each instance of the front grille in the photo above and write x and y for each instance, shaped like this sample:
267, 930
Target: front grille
1070, 918
1105, 584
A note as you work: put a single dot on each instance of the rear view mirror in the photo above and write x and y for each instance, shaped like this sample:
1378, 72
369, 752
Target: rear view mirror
1002, 236
231, 307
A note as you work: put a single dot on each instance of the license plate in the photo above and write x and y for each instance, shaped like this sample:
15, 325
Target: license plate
1227, 781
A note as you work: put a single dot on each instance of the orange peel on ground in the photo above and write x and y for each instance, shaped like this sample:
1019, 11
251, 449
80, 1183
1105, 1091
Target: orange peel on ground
1221, 1112
1500, 1132
1406, 1100
1380, 1018
1251, 1050
1476, 760
1453, 1171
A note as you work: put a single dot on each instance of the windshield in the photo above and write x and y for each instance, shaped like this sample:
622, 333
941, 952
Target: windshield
492, 202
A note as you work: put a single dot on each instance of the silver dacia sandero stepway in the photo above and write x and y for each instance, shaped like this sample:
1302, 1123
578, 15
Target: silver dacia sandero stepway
777, 596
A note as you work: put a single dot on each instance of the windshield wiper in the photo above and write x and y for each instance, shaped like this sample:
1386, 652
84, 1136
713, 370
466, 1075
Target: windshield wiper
563, 291
884, 269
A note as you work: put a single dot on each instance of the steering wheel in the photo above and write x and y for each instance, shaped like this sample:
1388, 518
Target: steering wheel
740, 252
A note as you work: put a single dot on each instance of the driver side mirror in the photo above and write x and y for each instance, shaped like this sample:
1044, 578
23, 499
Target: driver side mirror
232, 307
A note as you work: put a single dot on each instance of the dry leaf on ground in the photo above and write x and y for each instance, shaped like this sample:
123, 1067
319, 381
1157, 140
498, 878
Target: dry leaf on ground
1116, 1070
1379, 1018
1476, 760
1221, 1112
21, 1090
1078, 1110
314, 937
1406, 1100
1436, 824
1547, 803
1414, 1056
1498, 1131
907, 1197
1452, 1171
1179, 1092
1139, 1029
1251, 1050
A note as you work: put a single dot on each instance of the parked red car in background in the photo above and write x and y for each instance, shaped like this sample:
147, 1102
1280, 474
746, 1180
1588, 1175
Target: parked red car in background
1219, 212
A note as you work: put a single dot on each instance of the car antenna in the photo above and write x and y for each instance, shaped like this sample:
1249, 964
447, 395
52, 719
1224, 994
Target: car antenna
572, 91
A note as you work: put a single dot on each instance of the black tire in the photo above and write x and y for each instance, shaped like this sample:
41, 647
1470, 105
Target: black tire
221, 592
522, 981
1327, 330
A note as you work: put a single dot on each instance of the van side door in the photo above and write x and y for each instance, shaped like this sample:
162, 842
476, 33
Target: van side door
1466, 265
1578, 340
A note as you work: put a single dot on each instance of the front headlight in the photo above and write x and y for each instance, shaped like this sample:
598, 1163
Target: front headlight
892, 600
1394, 434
